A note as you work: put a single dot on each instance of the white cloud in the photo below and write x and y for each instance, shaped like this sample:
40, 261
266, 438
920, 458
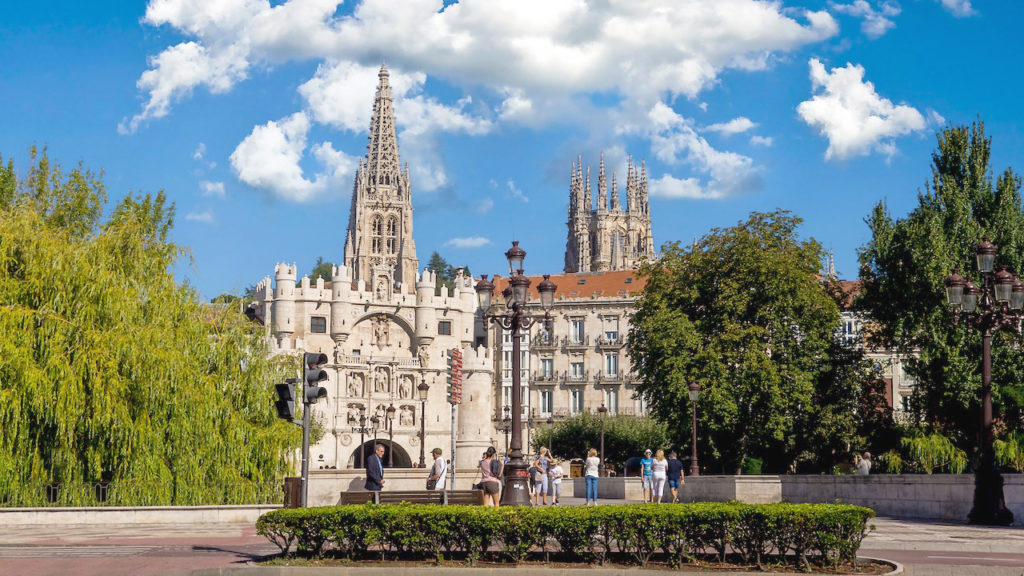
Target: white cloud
675, 142
269, 159
529, 50
484, 206
875, 22
470, 242
734, 126
200, 152
201, 217
516, 192
215, 189
765, 141
958, 8
855, 119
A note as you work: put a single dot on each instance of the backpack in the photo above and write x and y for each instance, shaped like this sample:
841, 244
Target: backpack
496, 467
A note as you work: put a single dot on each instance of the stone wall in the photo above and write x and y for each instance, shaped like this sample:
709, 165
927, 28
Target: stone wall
613, 488
749, 489
933, 496
134, 515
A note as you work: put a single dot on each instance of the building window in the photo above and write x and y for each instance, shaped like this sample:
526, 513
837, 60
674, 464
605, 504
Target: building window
506, 398
576, 370
611, 364
318, 325
545, 402
611, 328
576, 401
547, 367
576, 332
376, 235
611, 400
444, 328
545, 336
392, 237
506, 364
641, 405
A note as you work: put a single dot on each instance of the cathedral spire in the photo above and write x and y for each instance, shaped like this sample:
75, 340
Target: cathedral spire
602, 187
382, 151
615, 192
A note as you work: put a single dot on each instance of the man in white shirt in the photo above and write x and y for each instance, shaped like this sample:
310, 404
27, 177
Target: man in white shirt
864, 464
438, 471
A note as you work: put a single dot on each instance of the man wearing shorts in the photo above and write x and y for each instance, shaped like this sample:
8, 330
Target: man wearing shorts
647, 476
675, 475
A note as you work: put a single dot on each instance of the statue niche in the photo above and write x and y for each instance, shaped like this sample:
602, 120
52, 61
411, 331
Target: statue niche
355, 385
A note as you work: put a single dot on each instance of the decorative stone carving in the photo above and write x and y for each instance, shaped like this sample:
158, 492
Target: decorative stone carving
381, 331
424, 356
380, 381
405, 388
355, 385
406, 416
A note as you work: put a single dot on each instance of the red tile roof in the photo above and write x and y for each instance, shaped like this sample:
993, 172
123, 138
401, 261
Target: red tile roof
584, 285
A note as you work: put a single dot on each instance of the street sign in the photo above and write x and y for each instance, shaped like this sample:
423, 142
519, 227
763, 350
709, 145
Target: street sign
455, 376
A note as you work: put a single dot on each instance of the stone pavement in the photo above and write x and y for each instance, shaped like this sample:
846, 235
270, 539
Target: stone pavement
924, 548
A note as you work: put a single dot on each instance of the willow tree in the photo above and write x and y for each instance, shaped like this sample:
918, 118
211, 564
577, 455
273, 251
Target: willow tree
111, 371
744, 313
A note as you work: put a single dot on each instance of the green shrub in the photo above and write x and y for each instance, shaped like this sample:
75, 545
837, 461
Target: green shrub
759, 533
1010, 451
934, 452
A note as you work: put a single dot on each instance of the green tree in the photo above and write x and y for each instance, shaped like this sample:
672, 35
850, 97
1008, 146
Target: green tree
903, 268
111, 371
745, 314
445, 272
320, 270
624, 437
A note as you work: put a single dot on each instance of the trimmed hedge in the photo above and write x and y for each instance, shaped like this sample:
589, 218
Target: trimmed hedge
827, 534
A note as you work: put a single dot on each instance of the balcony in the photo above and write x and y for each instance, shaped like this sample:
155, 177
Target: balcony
571, 378
616, 341
602, 377
570, 342
544, 341
542, 378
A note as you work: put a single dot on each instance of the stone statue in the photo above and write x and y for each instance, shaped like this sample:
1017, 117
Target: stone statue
406, 417
423, 356
382, 289
355, 385
405, 388
381, 381
381, 326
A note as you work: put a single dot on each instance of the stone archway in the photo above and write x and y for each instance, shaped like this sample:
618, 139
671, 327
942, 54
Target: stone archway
401, 458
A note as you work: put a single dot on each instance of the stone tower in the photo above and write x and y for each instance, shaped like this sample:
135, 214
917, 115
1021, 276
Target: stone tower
610, 237
379, 249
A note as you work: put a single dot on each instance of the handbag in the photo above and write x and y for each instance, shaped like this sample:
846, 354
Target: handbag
478, 486
432, 483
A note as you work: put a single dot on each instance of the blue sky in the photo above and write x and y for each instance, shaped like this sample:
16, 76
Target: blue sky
251, 114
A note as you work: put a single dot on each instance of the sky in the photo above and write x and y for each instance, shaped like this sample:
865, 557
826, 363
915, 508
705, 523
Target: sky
252, 114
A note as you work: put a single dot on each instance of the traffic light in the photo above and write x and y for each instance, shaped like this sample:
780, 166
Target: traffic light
314, 375
285, 403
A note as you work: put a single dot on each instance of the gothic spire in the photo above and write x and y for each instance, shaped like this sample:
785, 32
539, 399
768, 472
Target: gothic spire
602, 187
382, 151
615, 192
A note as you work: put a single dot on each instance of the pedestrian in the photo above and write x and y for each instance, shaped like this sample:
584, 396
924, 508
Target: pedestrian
375, 470
659, 474
675, 475
591, 471
438, 471
489, 483
542, 463
864, 464
646, 475
555, 477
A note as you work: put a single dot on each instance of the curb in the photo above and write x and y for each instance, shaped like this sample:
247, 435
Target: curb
251, 570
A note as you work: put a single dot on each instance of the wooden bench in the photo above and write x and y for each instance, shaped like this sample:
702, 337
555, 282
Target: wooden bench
461, 497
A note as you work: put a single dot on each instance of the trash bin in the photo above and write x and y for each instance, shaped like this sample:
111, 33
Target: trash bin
293, 492
575, 469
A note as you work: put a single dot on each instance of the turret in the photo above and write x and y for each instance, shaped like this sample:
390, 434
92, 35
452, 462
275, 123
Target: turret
474, 430
341, 288
426, 317
284, 303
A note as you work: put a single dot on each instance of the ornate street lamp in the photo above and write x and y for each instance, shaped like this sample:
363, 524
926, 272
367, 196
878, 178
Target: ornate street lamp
694, 392
362, 436
391, 434
422, 389
374, 421
516, 319
602, 411
995, 305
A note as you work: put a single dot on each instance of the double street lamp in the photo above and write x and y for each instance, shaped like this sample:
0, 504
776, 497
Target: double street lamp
506, 425
995, 305
423, 388
516, 319
391, 434
694, 392
602, 411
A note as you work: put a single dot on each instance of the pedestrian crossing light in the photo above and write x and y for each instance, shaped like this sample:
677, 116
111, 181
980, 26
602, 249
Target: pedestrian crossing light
285, 403
313, 376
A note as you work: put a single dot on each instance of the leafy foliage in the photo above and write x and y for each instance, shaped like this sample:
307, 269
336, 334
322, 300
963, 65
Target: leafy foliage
445, 272
624, 437
903, 268
829, 534
744, 313
1010, 451
110, 371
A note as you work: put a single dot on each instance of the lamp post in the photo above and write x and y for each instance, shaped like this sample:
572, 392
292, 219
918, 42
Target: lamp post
694, 393
422, 388
602, 411
995, 305
516, 319
391, 434
506, 426
362, 432
551, 422
374, 421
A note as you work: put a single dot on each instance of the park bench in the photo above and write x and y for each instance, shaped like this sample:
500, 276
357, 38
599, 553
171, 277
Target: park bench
463, 497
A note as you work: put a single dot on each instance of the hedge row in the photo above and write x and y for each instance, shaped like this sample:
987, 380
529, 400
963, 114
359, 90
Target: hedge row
826, 534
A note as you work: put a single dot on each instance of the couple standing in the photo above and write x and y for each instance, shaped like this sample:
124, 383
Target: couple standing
375, 470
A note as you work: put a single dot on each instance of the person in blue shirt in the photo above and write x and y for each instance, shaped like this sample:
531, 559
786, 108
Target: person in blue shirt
675, 475
647, 475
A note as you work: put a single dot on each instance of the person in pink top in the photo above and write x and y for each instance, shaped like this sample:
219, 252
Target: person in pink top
490, 481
